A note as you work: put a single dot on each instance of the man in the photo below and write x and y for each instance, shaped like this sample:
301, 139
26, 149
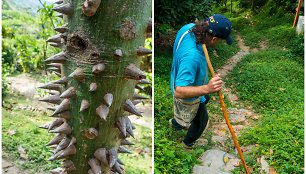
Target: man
189, 78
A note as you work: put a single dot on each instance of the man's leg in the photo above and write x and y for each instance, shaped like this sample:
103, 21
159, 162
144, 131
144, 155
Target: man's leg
176, 125
197, 126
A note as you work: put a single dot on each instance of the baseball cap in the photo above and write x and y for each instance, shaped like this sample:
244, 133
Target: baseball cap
221, 27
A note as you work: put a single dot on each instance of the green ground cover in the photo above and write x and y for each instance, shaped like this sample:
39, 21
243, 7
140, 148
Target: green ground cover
272, 82
268, 82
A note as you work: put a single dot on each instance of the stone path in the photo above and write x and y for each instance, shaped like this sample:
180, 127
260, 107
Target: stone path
217, 160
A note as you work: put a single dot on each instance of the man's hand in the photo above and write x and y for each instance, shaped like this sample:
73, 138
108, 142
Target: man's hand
215, 84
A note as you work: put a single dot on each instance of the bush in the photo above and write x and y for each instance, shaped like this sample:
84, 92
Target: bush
177, 13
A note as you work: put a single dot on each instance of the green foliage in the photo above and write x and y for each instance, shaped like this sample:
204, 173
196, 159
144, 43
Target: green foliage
272, 6
274, 85
23, 43
176, 13
276, 30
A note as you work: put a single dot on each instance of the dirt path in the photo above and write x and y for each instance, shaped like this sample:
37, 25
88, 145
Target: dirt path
221, 159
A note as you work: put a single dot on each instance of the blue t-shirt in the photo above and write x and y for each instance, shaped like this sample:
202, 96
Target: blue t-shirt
189, 67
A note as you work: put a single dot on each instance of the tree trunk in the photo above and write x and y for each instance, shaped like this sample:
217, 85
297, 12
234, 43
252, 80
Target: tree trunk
101, 50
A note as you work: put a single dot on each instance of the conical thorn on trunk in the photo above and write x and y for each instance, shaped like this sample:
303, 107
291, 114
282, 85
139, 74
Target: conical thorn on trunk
126, 142
101, 155
122, 149
97, 69
58, 170
66, 115
129, 127
93, 87
54, 99
132, 72
51, 86
117, 168
143, 81
59, 2
45, 126
78, 74
56, 45
90, 7
70, 168
121, 124
120, 162
108, 98
63, 129
57, 122
142, 51
54, 69
65, 9
136, 102
70, 150
84, 105
118, 52
57, 65
69, 93
72, 142
139, 87
140, 97
55, 39
62, 29
62, 81
102, 111
129, 107
62, 145
57, 139
91, 133
67, 163
95, 166
112, 156
64, 106
57, 58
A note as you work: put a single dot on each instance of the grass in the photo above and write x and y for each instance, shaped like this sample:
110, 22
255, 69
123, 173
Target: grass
273, 84
28, 135
33, 139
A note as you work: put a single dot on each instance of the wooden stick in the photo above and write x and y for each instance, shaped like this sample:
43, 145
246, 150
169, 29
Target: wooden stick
225, 114
297, 13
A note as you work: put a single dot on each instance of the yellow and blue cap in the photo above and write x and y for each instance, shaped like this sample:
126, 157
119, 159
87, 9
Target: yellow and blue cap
220, 26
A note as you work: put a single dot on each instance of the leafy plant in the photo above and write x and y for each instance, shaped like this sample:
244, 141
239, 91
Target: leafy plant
177, 13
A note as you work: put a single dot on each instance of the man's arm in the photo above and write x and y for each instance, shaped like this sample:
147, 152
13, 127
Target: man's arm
214, 85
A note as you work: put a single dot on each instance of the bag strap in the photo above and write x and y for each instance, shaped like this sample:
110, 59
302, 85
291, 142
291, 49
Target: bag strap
179, 42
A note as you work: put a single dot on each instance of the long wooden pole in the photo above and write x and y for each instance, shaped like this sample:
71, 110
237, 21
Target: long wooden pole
297, 13
225, 114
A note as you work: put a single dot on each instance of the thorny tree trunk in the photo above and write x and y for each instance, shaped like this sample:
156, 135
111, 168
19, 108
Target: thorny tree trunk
101, 50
